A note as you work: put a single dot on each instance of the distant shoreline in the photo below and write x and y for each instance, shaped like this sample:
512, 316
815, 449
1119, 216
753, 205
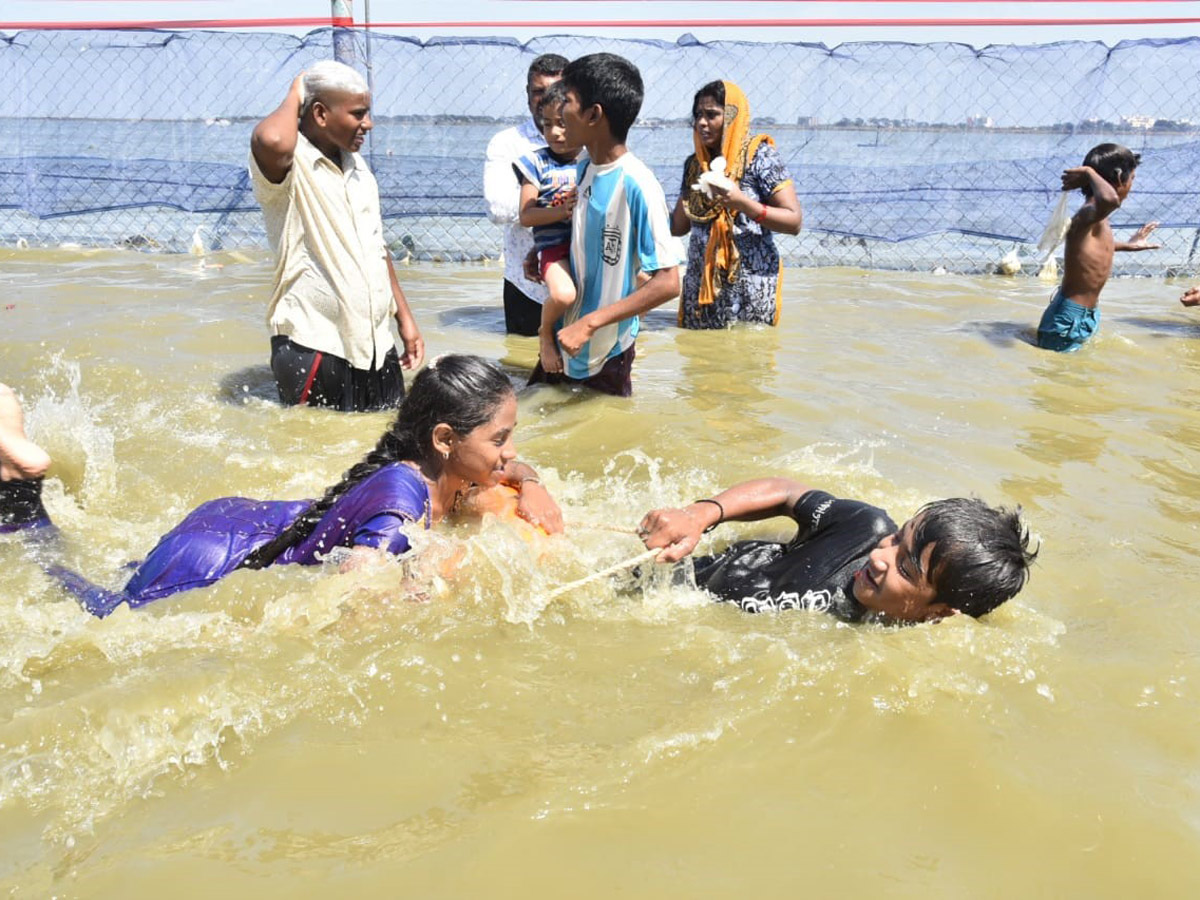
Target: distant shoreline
1098, 127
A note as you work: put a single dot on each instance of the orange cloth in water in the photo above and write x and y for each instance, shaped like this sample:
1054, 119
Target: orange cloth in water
501, 501
721, 258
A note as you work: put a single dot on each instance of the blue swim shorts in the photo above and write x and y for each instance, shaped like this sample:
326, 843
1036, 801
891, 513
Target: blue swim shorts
1066, 326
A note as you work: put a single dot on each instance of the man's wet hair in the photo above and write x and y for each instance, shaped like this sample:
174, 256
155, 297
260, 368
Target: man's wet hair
1113, 162
611, 81
546, 64
980, 556
555, 95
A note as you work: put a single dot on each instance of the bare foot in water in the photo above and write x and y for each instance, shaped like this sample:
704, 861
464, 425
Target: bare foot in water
20, 458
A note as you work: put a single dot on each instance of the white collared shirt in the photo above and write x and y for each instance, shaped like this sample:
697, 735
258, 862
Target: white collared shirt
332, 291
502, 191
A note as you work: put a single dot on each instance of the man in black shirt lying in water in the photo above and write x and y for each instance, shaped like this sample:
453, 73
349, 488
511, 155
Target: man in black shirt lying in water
849, 558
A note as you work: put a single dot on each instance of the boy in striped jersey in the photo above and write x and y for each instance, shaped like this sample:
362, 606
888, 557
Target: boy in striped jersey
620, 230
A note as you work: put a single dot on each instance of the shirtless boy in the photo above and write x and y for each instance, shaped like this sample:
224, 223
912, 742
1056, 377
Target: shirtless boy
1105, 179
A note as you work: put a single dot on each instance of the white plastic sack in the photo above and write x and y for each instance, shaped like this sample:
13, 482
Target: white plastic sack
1056, 228
715, 175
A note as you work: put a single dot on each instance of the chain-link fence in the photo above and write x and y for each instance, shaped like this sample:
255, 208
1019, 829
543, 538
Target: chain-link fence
909, 156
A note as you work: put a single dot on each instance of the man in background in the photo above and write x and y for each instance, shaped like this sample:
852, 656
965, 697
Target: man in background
502, 190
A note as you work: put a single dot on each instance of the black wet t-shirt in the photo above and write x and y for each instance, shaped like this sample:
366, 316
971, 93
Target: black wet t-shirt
812, 571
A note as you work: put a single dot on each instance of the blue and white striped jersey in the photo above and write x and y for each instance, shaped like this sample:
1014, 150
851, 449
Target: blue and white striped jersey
620, 227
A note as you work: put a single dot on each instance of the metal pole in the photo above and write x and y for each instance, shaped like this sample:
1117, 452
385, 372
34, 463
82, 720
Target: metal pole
367, 36
370, 73
343, 38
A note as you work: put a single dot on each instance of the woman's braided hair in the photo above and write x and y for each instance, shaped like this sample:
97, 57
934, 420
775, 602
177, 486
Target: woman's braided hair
464, 392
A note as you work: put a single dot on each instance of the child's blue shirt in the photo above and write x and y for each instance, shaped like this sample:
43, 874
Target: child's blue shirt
553, 180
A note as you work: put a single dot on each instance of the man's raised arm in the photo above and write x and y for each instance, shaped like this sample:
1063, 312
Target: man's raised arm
273, 141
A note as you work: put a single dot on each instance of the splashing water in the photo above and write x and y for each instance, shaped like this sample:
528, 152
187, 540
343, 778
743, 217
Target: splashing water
382, 725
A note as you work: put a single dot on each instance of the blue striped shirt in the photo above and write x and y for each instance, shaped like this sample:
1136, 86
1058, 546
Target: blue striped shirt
620, 227
553, 178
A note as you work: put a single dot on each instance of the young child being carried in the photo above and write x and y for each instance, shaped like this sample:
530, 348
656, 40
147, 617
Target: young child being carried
547, 178
1105, 179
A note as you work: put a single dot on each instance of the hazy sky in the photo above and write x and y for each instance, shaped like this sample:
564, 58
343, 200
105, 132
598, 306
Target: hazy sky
751, 20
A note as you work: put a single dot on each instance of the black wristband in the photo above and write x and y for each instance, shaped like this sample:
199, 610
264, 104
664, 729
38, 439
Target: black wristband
718, 505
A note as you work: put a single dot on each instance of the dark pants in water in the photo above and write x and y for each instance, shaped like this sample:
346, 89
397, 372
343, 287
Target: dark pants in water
21, 506
616, 377
521, 315
308, 377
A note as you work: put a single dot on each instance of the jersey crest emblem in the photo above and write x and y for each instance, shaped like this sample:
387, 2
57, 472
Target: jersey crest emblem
611, 249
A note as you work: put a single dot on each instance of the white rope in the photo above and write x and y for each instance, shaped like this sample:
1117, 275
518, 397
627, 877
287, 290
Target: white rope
604, 573
601, 526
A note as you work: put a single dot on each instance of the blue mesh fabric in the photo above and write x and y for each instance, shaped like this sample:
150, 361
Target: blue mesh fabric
141, 137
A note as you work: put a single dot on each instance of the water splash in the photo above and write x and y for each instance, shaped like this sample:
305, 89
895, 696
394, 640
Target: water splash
71, 430
107, 712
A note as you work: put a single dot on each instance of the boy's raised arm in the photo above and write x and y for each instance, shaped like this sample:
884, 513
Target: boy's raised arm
273, 141
1104, 195
678, 531
532, 214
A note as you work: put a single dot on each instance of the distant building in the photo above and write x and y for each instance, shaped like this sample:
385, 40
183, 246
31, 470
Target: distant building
1138, 121
980, 122
808, 121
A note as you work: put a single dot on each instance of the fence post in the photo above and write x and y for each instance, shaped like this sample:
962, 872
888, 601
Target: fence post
343, 38
370, 73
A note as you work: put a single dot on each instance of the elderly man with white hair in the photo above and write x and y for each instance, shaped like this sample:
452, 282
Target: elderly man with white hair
335, 289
